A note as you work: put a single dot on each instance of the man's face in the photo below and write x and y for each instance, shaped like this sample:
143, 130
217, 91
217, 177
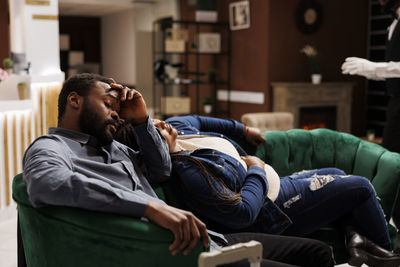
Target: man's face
99, 113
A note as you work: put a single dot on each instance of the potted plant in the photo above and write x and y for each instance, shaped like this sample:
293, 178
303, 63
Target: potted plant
212, 75
23, 90
7, 64
207, 103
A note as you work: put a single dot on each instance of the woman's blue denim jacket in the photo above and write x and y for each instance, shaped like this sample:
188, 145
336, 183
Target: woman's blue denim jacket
253, 211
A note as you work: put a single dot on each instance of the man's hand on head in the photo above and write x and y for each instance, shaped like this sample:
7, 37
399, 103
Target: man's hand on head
132, 105
186, 227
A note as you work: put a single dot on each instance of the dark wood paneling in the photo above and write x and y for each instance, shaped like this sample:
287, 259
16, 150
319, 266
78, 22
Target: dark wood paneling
269, 50
343, 33
85, 35
4, 31
249, 68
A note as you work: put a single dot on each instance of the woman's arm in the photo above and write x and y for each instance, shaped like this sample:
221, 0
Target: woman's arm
210, 198
228, 127
207, 124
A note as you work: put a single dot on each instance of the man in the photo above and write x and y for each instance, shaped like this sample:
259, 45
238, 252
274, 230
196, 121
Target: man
80, 165
389, 71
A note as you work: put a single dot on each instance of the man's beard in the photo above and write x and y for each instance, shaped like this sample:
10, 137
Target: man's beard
87, 124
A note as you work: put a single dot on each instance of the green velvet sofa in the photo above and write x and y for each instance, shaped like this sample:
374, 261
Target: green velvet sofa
295, 150
71, 237
60, 236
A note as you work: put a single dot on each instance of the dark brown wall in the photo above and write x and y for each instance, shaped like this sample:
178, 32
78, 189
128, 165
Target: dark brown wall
342, 33
269, 50
249, 50
85, 35
249, 54
4, 31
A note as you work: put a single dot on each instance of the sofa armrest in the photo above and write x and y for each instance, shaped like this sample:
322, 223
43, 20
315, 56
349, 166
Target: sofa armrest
63, 236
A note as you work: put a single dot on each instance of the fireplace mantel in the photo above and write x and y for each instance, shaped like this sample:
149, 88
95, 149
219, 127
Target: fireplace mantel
292, 96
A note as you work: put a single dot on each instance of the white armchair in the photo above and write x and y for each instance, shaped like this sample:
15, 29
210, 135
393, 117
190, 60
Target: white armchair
269, 121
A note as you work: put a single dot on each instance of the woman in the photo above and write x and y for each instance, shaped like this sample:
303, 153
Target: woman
232, 192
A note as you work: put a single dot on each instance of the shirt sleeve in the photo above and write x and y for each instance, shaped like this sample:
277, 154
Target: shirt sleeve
154, 151
52, 180
208, 197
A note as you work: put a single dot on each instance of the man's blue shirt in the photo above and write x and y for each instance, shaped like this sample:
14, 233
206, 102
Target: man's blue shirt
67, 168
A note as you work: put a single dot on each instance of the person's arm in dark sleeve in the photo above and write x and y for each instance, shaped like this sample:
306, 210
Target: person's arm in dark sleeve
233, 214
207, 124
228, 127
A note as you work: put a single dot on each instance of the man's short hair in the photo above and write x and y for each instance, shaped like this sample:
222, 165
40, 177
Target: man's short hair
81, 84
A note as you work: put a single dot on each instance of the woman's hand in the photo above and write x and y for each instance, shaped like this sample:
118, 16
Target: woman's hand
132, 107
253, 161
253, 136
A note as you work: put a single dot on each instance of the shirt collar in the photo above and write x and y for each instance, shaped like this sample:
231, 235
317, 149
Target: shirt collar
74, 135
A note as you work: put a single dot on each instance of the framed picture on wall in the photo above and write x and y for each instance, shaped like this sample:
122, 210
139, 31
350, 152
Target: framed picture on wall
239, 15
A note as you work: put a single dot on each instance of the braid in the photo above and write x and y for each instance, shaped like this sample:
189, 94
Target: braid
210, 175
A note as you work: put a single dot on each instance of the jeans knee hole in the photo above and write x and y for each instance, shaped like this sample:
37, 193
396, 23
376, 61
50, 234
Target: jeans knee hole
319, 181
292, 200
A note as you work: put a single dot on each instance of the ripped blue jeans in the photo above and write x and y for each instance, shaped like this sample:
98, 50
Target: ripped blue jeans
316, 198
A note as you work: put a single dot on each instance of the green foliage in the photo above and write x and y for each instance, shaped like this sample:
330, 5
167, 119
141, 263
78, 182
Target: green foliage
212, 75
7, 63
207, 101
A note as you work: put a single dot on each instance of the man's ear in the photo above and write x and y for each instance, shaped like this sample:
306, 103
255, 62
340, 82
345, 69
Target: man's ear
75, 100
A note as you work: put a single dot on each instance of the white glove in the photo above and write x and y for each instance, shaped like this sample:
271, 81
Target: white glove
362, 67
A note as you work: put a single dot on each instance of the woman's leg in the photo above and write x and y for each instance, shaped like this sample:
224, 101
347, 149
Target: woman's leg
321, 199
284, 250
309, 173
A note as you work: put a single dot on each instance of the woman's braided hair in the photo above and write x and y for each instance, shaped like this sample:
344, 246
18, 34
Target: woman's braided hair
227, 196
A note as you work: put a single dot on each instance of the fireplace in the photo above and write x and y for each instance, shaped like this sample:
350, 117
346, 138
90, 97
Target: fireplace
317, 117
325, 105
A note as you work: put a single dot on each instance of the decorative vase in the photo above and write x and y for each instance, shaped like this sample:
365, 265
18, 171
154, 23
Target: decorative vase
23, 91
316, 78
9, 70
207, 109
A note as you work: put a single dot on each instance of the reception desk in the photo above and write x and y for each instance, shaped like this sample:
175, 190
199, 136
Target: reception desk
21, 121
